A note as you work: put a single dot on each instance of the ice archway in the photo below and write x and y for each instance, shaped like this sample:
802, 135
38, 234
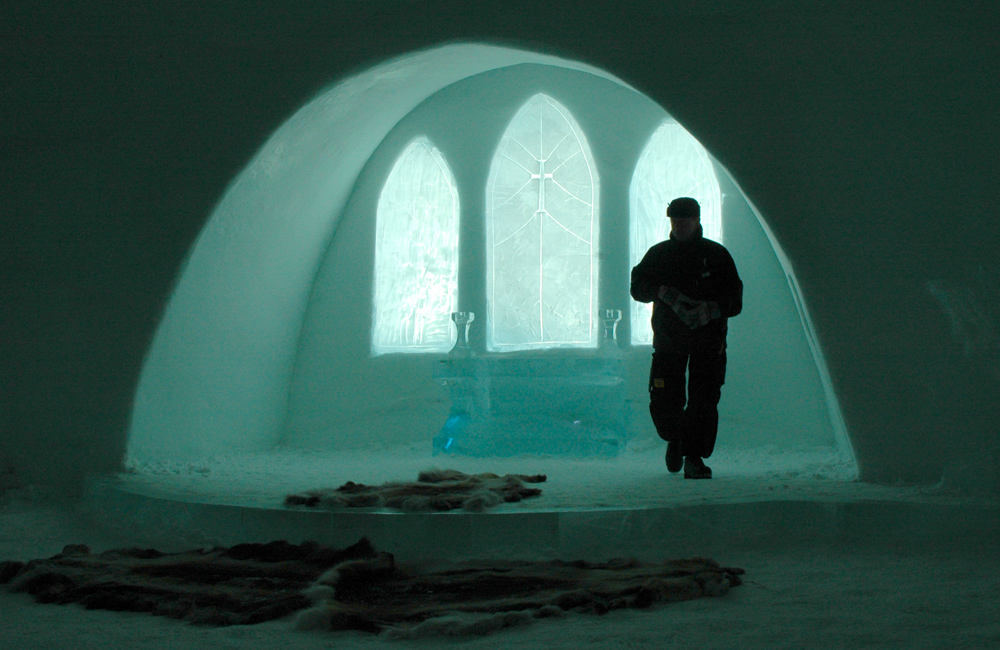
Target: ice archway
237, 364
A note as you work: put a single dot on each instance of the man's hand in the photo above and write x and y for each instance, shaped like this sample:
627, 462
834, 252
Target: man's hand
693, 313
701, 313
684, 307
677, 300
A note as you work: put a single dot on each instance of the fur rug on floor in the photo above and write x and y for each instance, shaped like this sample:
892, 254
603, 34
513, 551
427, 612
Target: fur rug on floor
357, 588
478, 598
244, 584
434, 490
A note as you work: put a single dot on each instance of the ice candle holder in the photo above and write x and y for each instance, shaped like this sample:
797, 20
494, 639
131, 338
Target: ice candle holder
610, 319
463, 320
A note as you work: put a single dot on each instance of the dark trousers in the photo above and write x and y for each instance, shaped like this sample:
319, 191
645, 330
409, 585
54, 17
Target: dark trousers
685, 408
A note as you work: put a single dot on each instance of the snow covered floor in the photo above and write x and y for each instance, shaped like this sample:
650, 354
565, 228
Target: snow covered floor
635, 479
943, 592
807, 597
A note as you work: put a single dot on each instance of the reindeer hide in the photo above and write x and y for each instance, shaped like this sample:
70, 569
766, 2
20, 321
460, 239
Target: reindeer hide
357, 588
434, 490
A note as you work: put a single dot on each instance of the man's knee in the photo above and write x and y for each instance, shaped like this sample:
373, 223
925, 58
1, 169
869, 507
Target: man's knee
668, 394
708, 374
668, 419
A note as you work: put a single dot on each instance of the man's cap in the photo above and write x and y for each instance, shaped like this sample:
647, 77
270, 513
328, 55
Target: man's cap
684, 208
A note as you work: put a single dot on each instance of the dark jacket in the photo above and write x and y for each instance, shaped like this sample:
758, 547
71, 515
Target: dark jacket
699, 268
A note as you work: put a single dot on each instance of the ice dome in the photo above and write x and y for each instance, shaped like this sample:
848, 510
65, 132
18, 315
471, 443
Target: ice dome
314, 305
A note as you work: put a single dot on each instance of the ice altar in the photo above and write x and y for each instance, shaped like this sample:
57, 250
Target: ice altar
530, 403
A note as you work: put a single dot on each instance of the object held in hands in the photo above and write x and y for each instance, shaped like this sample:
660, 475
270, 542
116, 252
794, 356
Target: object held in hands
686, 308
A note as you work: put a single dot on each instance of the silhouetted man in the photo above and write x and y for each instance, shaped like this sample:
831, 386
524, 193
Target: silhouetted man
694, 287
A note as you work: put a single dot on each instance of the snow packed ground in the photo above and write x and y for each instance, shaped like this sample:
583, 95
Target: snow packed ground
634, 479
941, 593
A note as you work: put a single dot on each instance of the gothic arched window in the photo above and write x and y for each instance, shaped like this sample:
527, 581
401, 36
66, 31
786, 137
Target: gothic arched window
672, 164
416, 254
542, 233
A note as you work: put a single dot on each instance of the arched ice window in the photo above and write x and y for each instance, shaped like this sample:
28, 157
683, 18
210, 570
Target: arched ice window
416, 254
672, 164
542, 233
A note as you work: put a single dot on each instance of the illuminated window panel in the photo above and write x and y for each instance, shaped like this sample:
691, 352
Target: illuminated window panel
542, 233
672, 164
416, 254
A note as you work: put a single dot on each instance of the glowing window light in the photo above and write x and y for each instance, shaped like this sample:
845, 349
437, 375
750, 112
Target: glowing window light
542, 233
416, 254
673, 164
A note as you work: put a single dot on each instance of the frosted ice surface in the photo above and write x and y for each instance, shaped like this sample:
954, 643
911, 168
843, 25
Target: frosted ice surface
505, 405
635, 478
416, 254
542, 233
673, 164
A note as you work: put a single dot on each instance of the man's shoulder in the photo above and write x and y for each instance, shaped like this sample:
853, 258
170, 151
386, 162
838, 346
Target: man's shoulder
658, 249
713, 247
710, 243
707, 246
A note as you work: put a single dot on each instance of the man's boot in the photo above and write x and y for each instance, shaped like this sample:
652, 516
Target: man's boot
695, 467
